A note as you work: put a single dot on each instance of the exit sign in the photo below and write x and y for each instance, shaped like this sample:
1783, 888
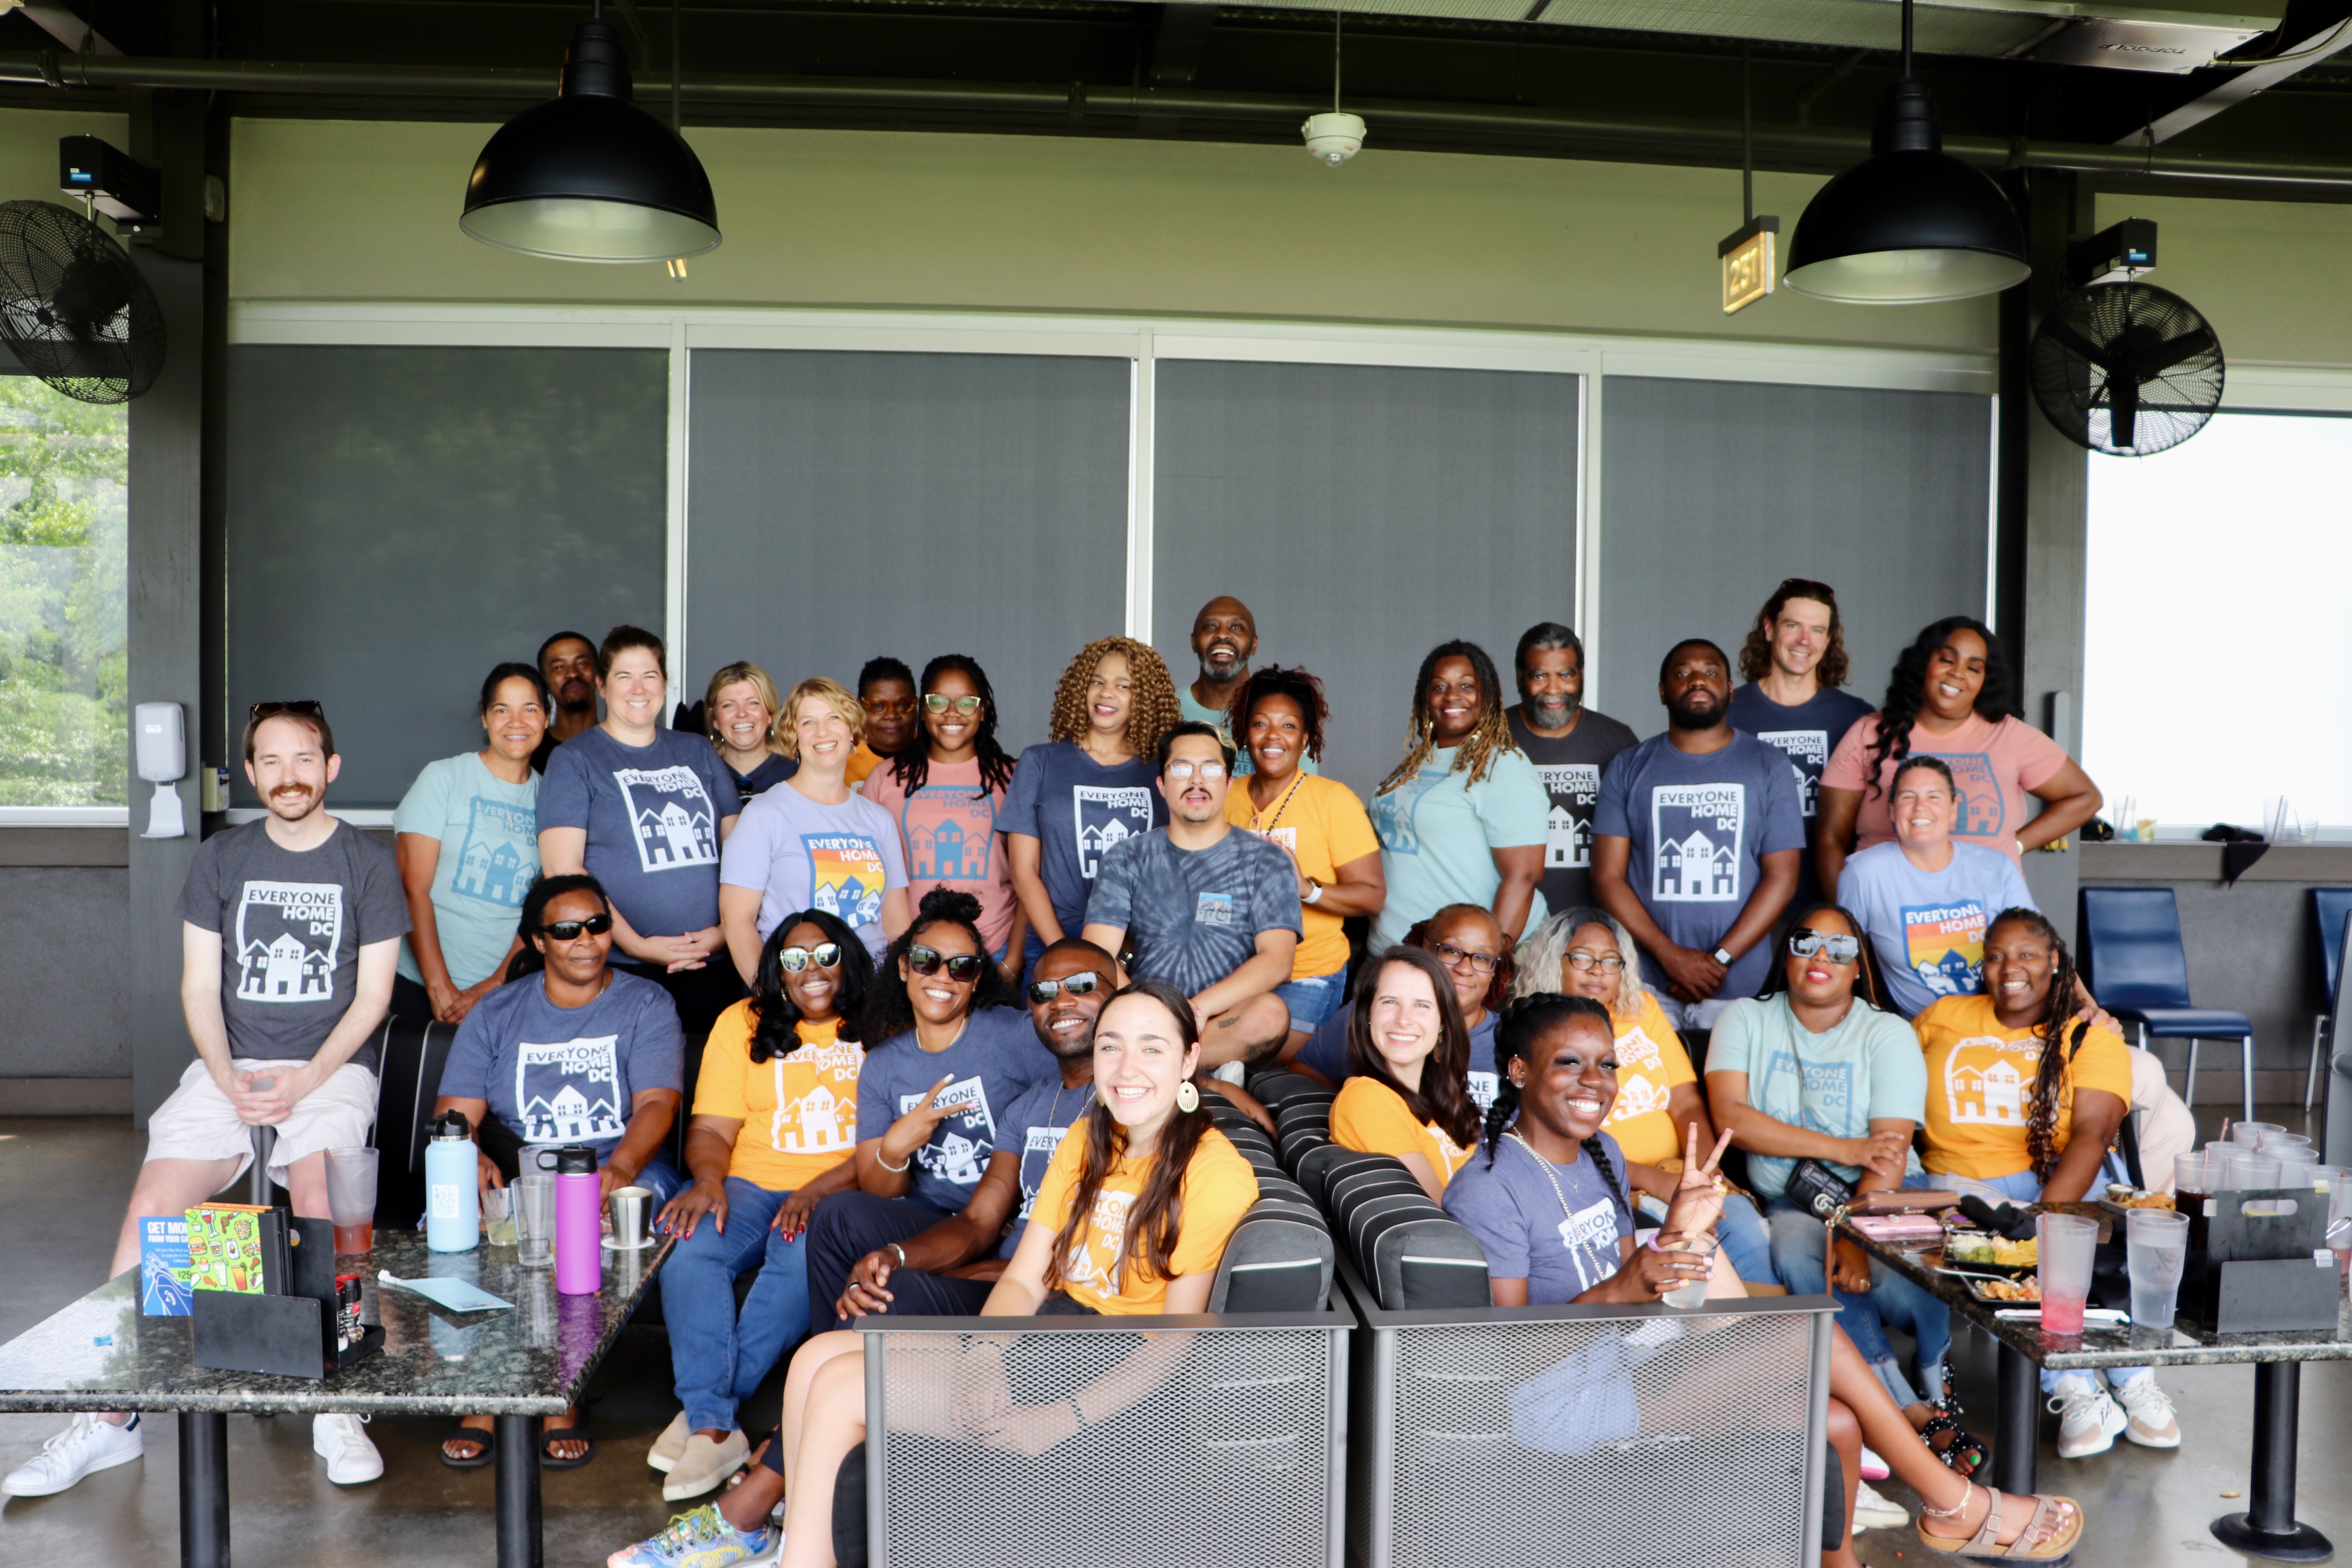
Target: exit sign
1747, 257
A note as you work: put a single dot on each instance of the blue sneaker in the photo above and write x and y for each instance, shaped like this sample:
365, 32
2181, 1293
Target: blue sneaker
701, 1540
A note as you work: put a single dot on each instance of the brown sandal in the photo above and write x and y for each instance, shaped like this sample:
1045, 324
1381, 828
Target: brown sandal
1985, 1544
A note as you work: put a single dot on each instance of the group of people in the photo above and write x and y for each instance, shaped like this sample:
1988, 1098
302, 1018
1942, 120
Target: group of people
826, 910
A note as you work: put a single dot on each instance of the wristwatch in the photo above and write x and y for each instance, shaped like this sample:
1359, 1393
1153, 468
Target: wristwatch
1314, 891
1722, 955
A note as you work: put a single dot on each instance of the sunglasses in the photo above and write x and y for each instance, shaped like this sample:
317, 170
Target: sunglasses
963, 968
940, 702
1484, 962
1610, 962
1043, 991
824, 954
571, 930
1806, 943
305, 709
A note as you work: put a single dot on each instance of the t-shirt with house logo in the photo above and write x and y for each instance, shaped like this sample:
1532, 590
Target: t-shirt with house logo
1928, 927
653, 816
802, 854
1040, 1119
799, 1108
1808, 732
489, 833
990, 1066
1698, 827
949, 832
1980, 1078
291, 924
1571, 767
567, 1075
1078, 810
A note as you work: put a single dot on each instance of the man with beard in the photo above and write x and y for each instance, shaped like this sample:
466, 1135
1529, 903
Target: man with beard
567, 662
1569, 745
1224, 639
1695, 844
1795, 662
290, 927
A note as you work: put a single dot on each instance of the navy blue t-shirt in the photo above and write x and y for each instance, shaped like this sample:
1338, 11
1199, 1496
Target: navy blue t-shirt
1808, 732
1037, 1124
1325, 1051
1077, 809
567, 1075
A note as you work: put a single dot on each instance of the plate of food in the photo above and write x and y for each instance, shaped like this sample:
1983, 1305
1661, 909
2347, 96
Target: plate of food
1991, 1254
2121, 1198
2009, 1292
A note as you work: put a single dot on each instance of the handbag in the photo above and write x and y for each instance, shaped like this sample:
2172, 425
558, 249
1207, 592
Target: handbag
1817, 1189
1578, 1404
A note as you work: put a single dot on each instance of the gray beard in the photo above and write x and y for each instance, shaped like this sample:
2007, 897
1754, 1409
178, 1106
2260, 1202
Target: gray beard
1543, 717
1209, 673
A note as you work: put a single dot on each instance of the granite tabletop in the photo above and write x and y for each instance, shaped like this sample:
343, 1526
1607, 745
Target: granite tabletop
2183, 1345
101, 1354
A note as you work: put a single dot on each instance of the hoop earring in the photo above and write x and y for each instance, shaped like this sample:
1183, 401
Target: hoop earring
1188, 1097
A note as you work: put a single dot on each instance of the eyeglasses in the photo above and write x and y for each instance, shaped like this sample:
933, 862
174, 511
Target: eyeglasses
826, 955
1609, 962
879, 706
1455, 957
940, 702
963, 968
1043, 991
1183, 770
571, 930
1806, 943
305, 709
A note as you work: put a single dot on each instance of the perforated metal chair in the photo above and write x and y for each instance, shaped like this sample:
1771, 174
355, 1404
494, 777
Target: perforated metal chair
2329, 908
2134, 963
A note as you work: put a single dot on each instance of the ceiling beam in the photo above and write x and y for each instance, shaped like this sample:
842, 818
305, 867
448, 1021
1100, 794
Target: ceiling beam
2333, 36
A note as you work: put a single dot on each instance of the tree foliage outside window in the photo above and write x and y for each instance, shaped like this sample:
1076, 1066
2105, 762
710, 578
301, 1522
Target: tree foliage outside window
64, 718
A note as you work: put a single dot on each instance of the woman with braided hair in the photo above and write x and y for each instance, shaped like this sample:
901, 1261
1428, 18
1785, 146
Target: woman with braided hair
2024, 1097
1462, 818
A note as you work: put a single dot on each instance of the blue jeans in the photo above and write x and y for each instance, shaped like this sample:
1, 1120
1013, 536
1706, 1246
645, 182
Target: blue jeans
1314, 999
661, 1178
718, 1358
1797, 1249
2019, 1186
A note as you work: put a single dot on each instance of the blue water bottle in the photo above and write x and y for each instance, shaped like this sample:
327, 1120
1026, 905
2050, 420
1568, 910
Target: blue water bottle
452, 1203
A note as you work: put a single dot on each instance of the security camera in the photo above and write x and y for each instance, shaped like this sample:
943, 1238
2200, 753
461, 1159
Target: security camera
1334, 138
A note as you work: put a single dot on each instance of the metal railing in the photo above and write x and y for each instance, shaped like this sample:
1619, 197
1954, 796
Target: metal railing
1698, 1437
1226, 1449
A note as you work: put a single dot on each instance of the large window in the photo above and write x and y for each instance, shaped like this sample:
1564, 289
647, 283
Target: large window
2215, 635
63, 554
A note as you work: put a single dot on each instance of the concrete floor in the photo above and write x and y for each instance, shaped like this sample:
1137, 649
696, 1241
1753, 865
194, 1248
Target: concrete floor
68, 1179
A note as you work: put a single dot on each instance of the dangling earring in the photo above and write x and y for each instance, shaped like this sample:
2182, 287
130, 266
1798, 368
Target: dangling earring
1188, 1097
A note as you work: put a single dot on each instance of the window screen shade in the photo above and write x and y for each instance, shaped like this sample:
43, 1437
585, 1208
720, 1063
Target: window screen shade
400, 519
1714, 491
1364, 514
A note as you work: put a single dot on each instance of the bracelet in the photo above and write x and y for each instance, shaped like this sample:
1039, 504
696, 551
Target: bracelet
897, 1170
897, 1251
1077, 1410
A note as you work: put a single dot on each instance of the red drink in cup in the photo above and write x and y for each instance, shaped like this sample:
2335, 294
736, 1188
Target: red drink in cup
2063, 1249
351, 1238
2062, 1315
351, 1198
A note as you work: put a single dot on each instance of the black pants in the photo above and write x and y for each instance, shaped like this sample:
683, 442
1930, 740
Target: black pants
411, 1002
848, 1225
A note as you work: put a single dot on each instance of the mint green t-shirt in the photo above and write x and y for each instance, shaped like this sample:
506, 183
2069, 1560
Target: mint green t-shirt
1439, 833
1870, 1068
488, 831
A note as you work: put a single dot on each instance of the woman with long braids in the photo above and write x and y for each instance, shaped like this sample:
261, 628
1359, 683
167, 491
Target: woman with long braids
1408, 1092
1949, 698
1462, 818
2044, 1139
1093, 784
1146, 1154
1550, 1203
947, 795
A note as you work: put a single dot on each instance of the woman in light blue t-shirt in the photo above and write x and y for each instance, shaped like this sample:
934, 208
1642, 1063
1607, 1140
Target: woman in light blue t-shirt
467, 836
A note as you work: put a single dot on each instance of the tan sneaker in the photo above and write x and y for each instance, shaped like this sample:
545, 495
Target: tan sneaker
704, 1465
2150, 1422
670, 1445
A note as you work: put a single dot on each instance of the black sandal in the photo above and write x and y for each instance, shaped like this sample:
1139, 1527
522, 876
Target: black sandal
1965, 1454
576, 1433
486, 1436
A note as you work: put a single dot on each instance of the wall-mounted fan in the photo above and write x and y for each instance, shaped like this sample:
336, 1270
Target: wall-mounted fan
2126, 369
74, 307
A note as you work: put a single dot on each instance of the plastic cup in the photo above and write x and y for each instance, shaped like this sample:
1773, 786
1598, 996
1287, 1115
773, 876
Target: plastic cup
2254, 1174
2251, 1133
1693, 1293
2157, 1245
2066, 1243
2192, 1173
2335, 1181
498, 1216
351, 1198
534, 1219
2272, 1142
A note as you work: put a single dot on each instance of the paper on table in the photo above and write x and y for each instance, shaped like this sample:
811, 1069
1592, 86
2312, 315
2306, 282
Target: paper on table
458, 1295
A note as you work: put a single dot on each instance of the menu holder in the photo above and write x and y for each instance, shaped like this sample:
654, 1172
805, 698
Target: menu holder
290, 1335
2263, 1267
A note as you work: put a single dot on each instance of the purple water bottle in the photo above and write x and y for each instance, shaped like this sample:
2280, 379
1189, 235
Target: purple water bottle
578, 1220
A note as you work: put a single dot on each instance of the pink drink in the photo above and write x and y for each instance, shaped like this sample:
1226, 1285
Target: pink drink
2062, 1315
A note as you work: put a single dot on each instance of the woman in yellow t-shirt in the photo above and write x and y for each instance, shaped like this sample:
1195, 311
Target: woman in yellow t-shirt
1132, 1217
775, 1119
1408, 1087
1278, 715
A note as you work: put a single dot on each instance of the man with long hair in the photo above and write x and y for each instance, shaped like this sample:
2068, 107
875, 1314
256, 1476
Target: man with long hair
1795, 664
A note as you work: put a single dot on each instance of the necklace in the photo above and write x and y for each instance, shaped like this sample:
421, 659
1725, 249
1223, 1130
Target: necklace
1550, 1174
1280, 806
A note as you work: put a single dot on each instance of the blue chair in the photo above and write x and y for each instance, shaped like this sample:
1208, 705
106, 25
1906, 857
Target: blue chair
2329, 906
2134, 964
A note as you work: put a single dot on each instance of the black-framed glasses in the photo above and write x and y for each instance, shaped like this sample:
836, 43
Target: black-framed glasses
1608, 963
1455, 957
824, 955
1805, 943
940, 702
573, 931
963, 968
303, 709
1086, 984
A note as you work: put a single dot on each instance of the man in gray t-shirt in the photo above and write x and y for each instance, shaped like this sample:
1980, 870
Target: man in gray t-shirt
1211, 911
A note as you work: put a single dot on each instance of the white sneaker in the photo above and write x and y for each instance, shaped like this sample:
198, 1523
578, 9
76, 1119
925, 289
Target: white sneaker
2088, 1421
343, 1442
1871, 1511
86, 1444
663, 1455
2149, 1408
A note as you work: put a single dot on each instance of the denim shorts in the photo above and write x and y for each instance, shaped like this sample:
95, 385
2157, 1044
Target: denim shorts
1313, 1000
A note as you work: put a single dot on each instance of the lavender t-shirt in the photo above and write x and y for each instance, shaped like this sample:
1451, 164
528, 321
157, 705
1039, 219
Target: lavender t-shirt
1561, 1239
804, 855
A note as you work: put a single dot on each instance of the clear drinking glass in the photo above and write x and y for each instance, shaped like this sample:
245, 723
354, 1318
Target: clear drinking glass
2157, 1244
1694, 1292
534, 1218
351, 1198
2192, 1173
2251, 1133
498, 1215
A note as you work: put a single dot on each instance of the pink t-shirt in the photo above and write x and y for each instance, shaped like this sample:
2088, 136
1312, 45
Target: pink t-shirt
1994, 766
950, 839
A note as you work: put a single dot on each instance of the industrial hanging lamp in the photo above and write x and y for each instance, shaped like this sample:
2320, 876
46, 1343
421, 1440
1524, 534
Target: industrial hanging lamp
1911, 224
588, 176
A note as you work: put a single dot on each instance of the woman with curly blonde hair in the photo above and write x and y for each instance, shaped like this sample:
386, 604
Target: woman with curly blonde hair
1090, 786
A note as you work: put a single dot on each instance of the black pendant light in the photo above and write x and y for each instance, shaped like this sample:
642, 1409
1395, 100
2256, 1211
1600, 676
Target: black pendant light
1911, 224
588, 176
